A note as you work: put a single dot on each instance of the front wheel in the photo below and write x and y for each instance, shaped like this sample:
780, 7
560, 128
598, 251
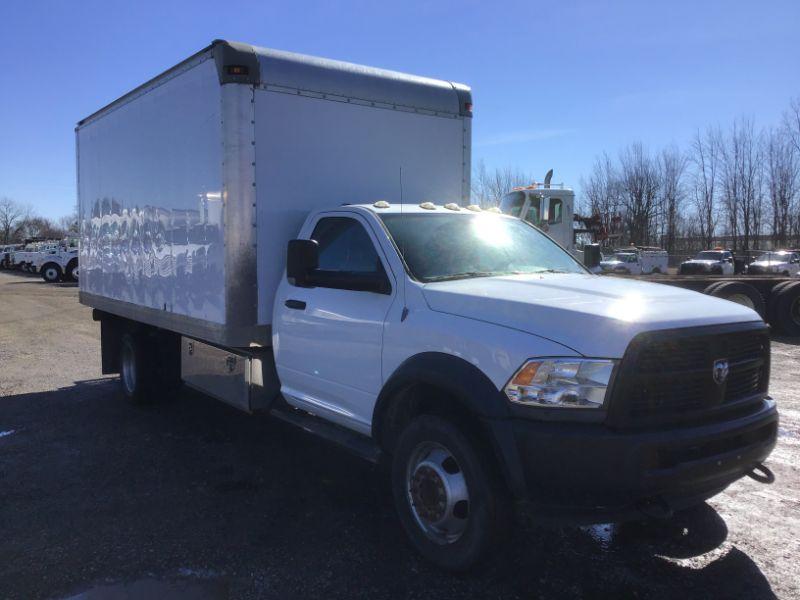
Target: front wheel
449, 499
51, 273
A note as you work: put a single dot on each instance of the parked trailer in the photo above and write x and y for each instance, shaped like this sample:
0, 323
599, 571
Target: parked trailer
776, 299
262, 227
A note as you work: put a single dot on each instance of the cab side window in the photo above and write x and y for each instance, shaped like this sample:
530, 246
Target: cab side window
345, 246
556, 210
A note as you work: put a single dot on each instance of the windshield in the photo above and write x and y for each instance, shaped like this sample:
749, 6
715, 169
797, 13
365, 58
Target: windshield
631, 258
438, 247
782, 256
709, 256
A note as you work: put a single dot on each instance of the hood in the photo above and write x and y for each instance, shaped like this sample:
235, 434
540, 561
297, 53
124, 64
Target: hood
593, 315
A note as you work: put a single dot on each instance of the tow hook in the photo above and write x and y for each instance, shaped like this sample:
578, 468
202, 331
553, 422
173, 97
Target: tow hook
655, 508
762, 474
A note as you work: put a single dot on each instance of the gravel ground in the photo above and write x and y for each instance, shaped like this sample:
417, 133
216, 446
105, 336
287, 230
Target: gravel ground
193, 499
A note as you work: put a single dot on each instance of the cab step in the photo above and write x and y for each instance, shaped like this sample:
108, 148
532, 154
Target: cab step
355, 443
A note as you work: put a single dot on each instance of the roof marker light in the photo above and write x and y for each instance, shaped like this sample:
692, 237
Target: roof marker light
381, 204
474, 208
493, 209
452, 206
428, 206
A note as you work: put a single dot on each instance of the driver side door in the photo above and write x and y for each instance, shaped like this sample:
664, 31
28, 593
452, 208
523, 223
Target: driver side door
328, 340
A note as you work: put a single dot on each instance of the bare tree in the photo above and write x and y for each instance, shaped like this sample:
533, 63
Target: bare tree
69, 224
639, 186
791, 123
488, 188
781, 168
741, 182
12, 217
602, 195
705, 155
672, 168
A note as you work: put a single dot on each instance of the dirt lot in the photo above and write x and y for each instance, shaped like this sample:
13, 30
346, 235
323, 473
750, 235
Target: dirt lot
196, 500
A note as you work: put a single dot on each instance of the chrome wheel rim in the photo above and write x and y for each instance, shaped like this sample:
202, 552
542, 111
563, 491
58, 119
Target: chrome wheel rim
128, 368
437, 493
51, 274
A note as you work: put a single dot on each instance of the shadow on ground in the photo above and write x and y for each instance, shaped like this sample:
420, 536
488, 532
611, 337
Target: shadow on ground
193, 493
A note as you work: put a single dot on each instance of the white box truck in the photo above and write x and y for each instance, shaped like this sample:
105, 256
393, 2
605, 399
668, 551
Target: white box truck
291, 235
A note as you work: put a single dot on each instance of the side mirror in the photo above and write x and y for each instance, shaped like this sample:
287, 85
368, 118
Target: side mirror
302, 257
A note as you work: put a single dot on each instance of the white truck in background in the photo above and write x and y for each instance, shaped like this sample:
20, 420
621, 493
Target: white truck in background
59, 263
779, 262
636, 260
290, 235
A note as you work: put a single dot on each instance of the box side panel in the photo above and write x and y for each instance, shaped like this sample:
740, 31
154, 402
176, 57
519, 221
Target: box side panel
150, 195
315, 153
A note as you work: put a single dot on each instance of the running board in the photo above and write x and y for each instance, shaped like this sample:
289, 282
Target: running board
358, 444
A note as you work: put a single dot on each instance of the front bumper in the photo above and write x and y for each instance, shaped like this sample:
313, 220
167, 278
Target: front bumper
590, 473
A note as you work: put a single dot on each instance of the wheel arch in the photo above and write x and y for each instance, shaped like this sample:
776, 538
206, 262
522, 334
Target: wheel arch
449, 386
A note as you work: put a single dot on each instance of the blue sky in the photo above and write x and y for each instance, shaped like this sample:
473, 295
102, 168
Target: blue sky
554, 84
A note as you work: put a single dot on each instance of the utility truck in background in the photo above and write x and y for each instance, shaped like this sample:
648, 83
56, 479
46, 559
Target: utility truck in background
637, 260
292, 235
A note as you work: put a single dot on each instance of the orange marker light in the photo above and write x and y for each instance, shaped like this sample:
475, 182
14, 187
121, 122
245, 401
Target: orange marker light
526, 374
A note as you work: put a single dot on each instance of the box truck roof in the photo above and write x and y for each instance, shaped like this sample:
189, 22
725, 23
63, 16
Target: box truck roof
243, 63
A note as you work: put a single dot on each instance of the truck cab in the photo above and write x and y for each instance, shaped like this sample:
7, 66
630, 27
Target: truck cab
780, 262
715, 262
548, 207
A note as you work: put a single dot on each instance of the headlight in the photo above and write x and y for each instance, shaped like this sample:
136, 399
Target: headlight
561, 383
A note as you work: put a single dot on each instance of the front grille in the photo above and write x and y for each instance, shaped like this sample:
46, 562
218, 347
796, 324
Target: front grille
669, 375
693, 269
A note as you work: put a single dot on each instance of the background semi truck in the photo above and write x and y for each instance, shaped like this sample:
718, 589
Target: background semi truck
292, 235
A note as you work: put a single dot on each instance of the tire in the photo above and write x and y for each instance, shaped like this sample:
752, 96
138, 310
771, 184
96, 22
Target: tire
741, 293
657, 271
431, 457
785, 308
716, 271
136, 369
72, 270
51, 273
711, 287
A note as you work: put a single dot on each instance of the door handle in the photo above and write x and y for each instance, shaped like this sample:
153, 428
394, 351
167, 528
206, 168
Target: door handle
295, 304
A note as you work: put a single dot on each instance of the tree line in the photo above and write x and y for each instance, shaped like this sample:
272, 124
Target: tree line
739, 187
19, 222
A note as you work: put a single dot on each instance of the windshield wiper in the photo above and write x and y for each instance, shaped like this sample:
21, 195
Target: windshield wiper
465, 275
550, 271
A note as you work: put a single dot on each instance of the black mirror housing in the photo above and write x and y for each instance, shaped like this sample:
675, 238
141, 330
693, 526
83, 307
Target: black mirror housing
302, 257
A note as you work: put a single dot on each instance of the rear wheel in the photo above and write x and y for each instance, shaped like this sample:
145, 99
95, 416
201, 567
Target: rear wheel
136, 369
51, 273
740, 293
72, 270
449, 499
785, 308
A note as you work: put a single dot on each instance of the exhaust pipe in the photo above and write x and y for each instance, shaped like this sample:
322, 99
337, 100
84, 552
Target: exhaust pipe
762, 474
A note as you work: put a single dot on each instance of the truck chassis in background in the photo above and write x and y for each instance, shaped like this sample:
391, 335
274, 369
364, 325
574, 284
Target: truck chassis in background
775, 298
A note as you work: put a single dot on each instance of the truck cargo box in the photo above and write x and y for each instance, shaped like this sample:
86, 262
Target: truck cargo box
191, 185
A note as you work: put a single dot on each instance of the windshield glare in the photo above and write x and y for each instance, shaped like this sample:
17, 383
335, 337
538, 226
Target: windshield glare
437, 247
